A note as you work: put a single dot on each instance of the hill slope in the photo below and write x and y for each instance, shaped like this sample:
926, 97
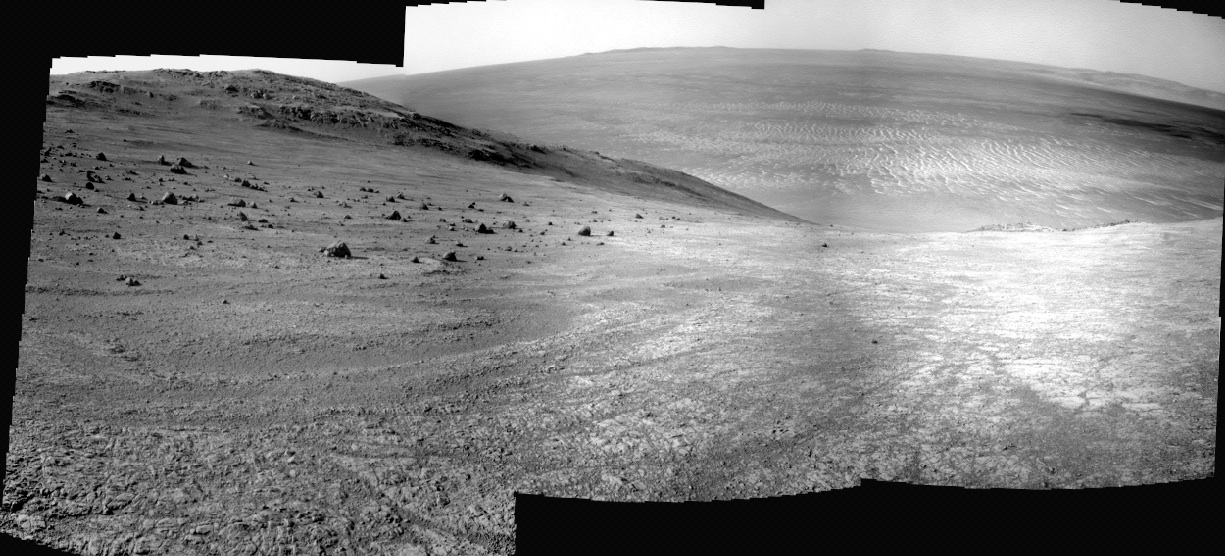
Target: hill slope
295, 104
893, 141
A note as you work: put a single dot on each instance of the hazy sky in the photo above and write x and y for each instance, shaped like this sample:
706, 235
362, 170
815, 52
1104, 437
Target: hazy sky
1103, 35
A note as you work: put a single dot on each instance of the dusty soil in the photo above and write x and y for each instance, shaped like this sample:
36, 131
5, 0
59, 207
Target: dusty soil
252, 395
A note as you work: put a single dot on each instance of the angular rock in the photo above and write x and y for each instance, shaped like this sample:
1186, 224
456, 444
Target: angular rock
510, 224
584, 231
450, 256
177, 169
116, 235
101, 157
506, 198
184, 163
170, 199
45, 177
337, 249
395, 215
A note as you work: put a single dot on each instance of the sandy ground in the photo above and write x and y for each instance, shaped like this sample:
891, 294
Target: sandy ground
252, 395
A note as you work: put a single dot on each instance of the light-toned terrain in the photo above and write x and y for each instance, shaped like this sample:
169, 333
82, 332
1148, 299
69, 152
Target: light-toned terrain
253, 395
893, 141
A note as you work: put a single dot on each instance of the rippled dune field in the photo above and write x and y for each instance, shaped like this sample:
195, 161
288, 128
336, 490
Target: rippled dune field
891, 141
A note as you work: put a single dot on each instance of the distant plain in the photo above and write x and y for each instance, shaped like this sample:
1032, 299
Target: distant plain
890, 141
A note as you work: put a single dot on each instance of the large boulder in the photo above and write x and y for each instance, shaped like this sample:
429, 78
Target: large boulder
337, 249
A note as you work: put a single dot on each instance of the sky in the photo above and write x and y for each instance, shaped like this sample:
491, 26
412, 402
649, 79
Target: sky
1104, 35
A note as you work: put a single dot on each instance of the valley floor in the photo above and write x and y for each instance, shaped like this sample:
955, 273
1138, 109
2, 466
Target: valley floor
252, 394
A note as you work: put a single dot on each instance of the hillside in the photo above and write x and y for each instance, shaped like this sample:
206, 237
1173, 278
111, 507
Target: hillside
301, 105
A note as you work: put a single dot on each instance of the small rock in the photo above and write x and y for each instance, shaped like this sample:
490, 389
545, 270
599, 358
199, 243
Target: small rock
249, 163
506, 198
610, 233
415, 260
450, 256
170, 199
242, 216
89, 186
510, 224
101, 210
116, 236
395, 215
131, 281
382, 277
584, 231
101, 157
318, 194
45, 177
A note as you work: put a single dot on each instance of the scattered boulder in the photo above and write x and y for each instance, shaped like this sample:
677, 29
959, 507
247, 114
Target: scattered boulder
337, 249
395, 215
510, 224
450, 256
506, 198
116, 234
237, 203
170, 199
101, 157
177, 169
45, 177
584, 231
